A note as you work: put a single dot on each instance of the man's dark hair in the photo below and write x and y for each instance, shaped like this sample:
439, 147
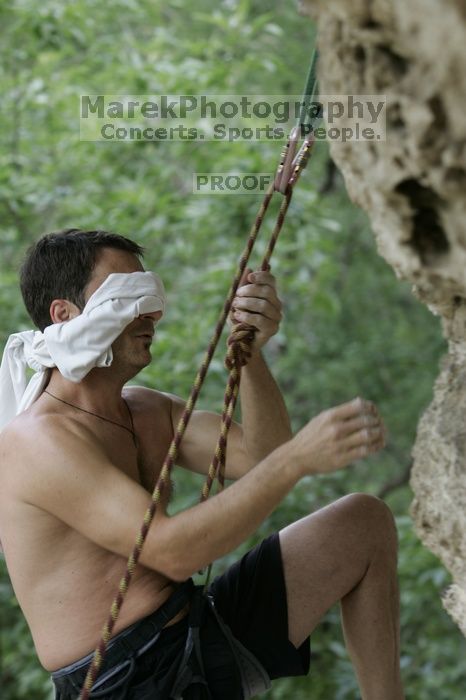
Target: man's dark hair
59, 266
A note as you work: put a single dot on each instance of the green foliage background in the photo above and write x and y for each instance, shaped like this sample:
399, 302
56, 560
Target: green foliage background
350, 327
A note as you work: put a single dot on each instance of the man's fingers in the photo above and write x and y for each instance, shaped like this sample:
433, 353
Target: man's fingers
258, 291
244, 277
256, 303
353, 425
362, 451
259, 321
355, 408
366, 436
262, 277
258, 306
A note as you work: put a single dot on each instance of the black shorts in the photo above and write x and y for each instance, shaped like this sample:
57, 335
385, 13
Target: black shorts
251, 598
142, 662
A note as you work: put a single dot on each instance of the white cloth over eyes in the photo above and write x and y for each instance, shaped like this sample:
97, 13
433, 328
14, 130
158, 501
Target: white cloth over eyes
76, 346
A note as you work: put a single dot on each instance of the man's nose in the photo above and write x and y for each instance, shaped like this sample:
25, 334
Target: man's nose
154, 315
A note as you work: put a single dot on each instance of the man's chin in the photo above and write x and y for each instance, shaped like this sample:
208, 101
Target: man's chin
143, 360
134, 364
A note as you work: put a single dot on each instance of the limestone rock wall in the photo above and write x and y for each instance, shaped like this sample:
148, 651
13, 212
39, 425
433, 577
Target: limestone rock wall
413, 187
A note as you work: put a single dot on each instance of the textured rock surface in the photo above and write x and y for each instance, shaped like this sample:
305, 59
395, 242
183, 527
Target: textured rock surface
413, 187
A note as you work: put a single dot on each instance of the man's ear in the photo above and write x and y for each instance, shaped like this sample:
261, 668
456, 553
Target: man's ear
63, 310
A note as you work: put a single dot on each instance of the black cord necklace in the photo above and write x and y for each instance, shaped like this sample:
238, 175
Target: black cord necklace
108, 420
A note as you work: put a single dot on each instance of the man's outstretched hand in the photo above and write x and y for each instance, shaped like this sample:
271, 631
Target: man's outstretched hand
339, 436
257, 304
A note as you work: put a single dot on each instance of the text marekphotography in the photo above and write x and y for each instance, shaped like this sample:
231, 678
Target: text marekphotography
230, 118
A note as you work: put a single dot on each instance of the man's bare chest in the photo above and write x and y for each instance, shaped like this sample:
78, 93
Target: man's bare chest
140, 456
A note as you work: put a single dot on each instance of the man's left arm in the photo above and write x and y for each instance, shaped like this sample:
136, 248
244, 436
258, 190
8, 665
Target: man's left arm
265, 420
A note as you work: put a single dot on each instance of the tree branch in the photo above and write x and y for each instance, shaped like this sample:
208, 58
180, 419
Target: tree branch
396, 483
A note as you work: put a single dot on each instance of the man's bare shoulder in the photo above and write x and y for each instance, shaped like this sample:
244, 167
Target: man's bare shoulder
41, 439
148, 400
30, 426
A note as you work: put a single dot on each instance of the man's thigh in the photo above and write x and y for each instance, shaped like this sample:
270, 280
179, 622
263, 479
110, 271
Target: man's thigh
251, 598
325, 555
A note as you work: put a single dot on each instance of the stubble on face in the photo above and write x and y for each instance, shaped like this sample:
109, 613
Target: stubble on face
132, 349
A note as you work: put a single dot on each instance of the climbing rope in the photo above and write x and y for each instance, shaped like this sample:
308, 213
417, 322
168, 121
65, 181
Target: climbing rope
238, 353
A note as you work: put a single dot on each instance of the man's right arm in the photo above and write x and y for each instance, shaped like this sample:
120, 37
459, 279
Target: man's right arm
73, 480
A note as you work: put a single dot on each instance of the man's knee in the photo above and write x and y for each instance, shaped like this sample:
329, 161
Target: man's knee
372, 513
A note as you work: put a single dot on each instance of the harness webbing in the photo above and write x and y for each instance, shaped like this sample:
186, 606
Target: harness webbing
238, 353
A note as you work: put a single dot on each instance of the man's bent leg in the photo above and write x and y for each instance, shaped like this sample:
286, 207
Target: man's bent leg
348, 552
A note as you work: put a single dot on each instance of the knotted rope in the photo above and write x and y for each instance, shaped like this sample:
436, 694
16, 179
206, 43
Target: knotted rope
238, 354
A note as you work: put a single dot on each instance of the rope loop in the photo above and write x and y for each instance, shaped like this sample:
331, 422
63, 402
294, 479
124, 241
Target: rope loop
239, 345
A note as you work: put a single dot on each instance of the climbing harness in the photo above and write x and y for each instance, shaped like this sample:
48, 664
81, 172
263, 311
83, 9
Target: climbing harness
292, 163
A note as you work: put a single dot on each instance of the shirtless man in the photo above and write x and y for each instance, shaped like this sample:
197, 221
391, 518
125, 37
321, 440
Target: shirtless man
74, 486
